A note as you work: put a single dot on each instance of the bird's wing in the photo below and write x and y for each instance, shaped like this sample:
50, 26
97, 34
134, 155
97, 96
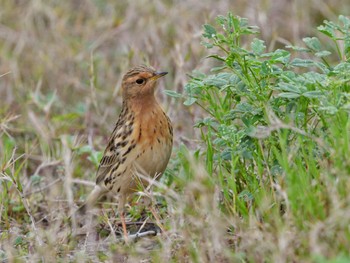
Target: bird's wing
113, 160
110, 158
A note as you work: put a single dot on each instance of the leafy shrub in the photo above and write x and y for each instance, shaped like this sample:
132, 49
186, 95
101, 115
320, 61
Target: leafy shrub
275, 122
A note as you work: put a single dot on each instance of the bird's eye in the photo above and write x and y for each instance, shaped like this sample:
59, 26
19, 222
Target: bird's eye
140, 81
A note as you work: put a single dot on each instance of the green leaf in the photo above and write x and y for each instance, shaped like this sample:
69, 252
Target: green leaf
281, 55
246, 195
190, 101
218, 69
314, 77
95, 157
343, 67
266, 68
347, 46
18, 208
298, 62
345, 20
215, 81
206, 122
313, 94
244, 107
172, 93
296, 48
328, 31
288, 87
18, 241
66, 117
289, 95
258, 46
226, 155
209, 31
85, 149
207, 45
323, 53
312, 43
222, 20
329, 109
36, 179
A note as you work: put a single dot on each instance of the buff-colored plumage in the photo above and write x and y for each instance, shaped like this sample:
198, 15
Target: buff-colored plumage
140, 144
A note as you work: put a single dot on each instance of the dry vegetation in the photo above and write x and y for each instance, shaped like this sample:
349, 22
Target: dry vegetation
60, 68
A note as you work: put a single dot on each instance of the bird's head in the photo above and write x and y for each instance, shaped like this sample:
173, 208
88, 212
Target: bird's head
140, 82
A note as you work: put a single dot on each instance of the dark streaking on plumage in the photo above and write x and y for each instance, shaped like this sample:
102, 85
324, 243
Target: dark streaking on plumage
140, 143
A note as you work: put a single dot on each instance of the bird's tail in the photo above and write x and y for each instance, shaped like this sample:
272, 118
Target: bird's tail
91, 200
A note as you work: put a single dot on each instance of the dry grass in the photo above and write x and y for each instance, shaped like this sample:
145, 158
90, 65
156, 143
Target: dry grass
60, 67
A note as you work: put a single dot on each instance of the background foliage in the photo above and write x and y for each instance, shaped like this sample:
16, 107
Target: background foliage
260, 169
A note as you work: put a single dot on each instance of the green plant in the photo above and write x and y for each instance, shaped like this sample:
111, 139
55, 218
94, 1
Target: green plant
276, 126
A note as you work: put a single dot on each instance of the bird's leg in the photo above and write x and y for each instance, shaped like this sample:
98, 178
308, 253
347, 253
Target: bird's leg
121, 205
122, 218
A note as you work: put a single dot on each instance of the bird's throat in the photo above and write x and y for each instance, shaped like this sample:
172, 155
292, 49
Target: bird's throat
141, 106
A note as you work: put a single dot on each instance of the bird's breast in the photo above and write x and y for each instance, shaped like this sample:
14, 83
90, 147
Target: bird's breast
155, 140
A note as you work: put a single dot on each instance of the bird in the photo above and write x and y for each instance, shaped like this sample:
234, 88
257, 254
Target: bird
140, 146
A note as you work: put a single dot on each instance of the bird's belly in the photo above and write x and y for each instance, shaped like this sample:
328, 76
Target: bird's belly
153, 161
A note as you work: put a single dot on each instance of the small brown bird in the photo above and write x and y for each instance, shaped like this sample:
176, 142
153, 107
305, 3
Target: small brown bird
140, 144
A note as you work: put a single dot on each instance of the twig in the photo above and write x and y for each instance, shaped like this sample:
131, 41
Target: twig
6, 73
83, 182
25, 202
42, 188
67, 160
110, 226
136, 236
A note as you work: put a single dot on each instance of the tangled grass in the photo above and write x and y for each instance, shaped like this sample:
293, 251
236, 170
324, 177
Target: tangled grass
263, 176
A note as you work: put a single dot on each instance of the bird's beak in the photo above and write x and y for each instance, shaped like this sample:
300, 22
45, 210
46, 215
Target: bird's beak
158, 75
